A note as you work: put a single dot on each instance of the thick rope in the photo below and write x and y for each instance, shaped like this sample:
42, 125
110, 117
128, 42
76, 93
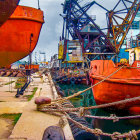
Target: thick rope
45, 108
80, 92
112, 117
59, 108
115, 136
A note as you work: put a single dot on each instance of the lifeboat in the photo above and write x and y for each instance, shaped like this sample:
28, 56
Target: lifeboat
124, 84
7, 7
19, 34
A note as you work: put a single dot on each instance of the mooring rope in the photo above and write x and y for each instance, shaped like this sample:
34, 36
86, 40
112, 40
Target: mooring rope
55, 107
60, 100
45, 108
80, 92
111, 117
115, 136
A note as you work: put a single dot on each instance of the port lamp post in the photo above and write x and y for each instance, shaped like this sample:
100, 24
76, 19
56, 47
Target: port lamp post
28, 72
30, 55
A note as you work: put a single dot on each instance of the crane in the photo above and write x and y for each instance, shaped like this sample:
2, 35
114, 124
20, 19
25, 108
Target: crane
44, 61
118, 31
108, 40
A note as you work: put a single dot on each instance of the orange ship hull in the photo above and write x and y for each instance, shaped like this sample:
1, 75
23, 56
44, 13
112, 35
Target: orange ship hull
7, 7
19, 34
122, 85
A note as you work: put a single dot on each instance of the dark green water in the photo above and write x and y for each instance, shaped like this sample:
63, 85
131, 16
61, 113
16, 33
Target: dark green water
86, 99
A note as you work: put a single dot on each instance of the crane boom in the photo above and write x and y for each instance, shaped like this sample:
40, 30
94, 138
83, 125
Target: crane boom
117, 33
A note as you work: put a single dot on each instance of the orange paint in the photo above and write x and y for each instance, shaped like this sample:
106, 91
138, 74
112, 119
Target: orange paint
122, 85
7, 7
135, 110
33, 66
15, 34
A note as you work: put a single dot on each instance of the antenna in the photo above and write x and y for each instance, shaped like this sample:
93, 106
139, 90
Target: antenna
36, 57
38, 4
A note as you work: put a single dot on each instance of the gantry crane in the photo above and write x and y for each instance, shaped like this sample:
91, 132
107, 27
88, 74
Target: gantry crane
108, 40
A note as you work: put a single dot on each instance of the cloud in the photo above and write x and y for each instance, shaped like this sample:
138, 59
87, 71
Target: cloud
52, 28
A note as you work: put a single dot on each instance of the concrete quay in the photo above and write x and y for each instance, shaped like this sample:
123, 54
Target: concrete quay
33, 123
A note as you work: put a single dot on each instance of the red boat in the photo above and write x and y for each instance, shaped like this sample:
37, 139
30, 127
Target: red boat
19, 34
7, 7
124, 84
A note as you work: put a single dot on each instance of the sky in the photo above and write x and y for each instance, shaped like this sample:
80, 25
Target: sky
52, 28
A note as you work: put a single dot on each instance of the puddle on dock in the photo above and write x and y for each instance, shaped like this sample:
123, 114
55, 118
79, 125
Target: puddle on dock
86, 99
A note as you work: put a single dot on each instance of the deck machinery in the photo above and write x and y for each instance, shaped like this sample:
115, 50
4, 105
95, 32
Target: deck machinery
94, 40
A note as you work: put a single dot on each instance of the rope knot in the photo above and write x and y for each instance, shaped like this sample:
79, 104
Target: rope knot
132, 135
115, 136
62, 121
81, 112
114, 117
98, 132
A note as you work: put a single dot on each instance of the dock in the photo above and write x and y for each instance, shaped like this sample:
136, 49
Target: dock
34, 122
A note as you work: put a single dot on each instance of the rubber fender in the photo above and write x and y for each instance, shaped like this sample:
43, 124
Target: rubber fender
65, 80
83, 135
72, 80
61, 93
78, 133
79, 79
88, 82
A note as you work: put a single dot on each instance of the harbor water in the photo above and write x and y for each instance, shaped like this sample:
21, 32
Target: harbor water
108, 126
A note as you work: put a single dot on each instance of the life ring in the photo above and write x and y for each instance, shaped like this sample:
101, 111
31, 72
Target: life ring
72, 80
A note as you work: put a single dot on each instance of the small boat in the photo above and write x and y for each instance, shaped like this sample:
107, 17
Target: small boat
19, 34
7, 7
124, 84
